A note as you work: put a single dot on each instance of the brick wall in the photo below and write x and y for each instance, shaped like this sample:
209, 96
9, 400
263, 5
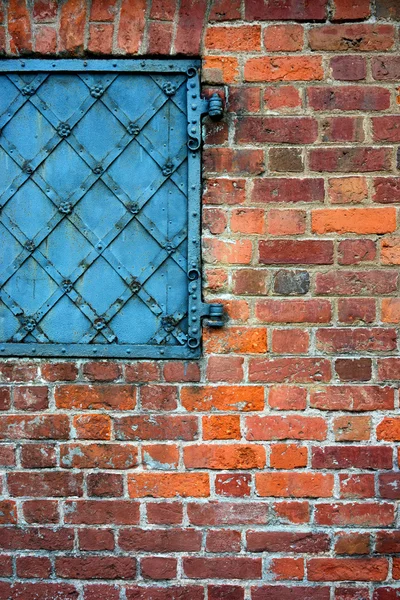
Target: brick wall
268, 469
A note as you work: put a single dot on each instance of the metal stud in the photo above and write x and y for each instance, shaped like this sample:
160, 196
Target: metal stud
133, 129
63, 129
65, 208
169, 88
97, 90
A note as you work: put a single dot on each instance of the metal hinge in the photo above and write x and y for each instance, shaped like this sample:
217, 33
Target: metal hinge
214, 314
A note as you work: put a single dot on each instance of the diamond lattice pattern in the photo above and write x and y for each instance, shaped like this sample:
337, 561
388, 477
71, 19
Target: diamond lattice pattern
93, 200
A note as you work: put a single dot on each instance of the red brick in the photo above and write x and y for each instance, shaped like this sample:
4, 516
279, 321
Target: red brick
286, 159
295, 511
244, 38
389, 485
347, 160
287, 541
280, 592
386, 68
131, 25
142, 372
282, 98
244, 99
33, 566
214, 220
294, 484
361, 37
388, 542
72, 27
59, 371
349, 10
158, 397
222, 568
283, 38
44, 11
276, 189
352, 429
160, 456
155, 427
293, 311
296, 252
356, 283
31, 398
291, 10
36, 538
159, 37
102, 512
352, 398
225, 10
100, 38
354, 369
224, 457
219, 540
357, 485
357, 457
190, 26
348, 98
96, 539
387, 190
224, 191
8, 512
5, 398
354, 252
285, 397
295, 427
356, 310
249, 281
95, 397
225, 368
164, 513
44, 591
347, 190
98, 456
95, 567
92, 427
290, 341
180, 372
284, 68
103, 11
276, 130
163, 10
386, 593
155, 567
235, 485
34, 427
165, 593
287, 568
50, 484
41, 511
242, 340
7, 455
349, 68
289, 370
390, 251
348, 341
6, 566
248, 220
160, 540
228, 513
105, 592
220, 69
344, 569
168, 485
342, 129
234, 252
45, 39
18, 371
233, 161
38, 456
19, 27
104, 485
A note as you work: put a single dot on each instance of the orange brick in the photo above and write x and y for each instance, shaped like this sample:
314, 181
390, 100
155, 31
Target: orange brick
391, 310
296, 511
286, 222
287, 568
92, 427
221, 427
294, 484
236, 456
225, 368
248, 220
354, 220
282, 97
220, 69
389, 429
95, 397
168, 485
288, 456
245, 38
242, 340
283, 38
390, 251
347, 190
352, 429
236, 398
287, 397
160, 456
284, 68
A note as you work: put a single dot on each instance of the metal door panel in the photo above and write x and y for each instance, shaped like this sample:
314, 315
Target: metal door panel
99, 199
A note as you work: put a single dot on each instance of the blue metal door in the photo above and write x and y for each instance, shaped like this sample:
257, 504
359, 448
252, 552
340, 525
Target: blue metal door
99, 199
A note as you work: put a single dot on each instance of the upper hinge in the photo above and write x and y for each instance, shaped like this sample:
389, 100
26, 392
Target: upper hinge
214, 314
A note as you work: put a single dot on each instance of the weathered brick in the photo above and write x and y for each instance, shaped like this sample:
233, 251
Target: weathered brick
289, 370
349, 10
347, 160
291, 10
348, 341
355, 37
283, 38
345, 457
348, 68
284, 68
294, 484
295, 427
232, 398
356, 283
223, 457
293, 311
281, 130
276, 189
352, 398
131, 25
245, 38
168, 485
343, 569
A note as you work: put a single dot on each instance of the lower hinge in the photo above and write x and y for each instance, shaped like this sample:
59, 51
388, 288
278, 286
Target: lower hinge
214, 314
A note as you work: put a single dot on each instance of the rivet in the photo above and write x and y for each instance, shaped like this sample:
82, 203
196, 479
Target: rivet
2, 349
194, 106
33, 350
194, 309
192, 85
22, 64
85, 64
194, 297
162, 351
195, 330
94, 350
194, 318
128, 351
63, 350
